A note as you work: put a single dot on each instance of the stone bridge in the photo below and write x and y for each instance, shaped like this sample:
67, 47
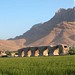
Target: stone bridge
41, 51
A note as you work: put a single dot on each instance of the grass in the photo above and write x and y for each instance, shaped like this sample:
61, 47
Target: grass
52, 65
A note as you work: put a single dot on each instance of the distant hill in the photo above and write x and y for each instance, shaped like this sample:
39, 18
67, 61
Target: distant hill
11, 45
60, 29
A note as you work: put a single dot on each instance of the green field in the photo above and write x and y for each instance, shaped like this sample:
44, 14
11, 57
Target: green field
52, 65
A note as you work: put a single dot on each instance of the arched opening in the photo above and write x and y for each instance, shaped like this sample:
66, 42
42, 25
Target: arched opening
22, 54
52, 50
56, 51
29, 53
45, 52
37, 53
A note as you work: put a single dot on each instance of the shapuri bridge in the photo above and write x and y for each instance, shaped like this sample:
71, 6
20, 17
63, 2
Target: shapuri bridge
43, 51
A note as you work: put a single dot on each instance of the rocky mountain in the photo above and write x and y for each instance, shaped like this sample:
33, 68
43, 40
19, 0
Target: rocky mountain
58, 30
63, 33
63, 20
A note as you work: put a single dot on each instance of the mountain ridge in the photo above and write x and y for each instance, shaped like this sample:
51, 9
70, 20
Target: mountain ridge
45, 28
60, 29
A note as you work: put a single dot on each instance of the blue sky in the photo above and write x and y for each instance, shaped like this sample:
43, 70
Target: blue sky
18, 16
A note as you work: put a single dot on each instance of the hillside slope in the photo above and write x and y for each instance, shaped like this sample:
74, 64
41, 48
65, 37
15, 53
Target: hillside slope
62, 20
64, 33
11, 45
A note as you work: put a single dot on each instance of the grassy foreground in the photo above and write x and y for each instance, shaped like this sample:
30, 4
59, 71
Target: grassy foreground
52, 65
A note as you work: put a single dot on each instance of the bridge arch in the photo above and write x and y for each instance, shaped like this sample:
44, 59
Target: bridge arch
41, 51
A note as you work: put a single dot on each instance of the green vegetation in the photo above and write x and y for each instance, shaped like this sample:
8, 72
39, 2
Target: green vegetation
72, 51
52, 65
8, 53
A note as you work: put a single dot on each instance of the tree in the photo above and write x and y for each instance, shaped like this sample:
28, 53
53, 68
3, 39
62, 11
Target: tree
72, 51
8, 53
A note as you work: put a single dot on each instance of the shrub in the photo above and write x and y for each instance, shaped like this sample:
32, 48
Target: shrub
72, 51
8, 53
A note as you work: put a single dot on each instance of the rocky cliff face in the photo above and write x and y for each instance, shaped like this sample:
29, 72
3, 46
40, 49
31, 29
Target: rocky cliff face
58, 30
63, 33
